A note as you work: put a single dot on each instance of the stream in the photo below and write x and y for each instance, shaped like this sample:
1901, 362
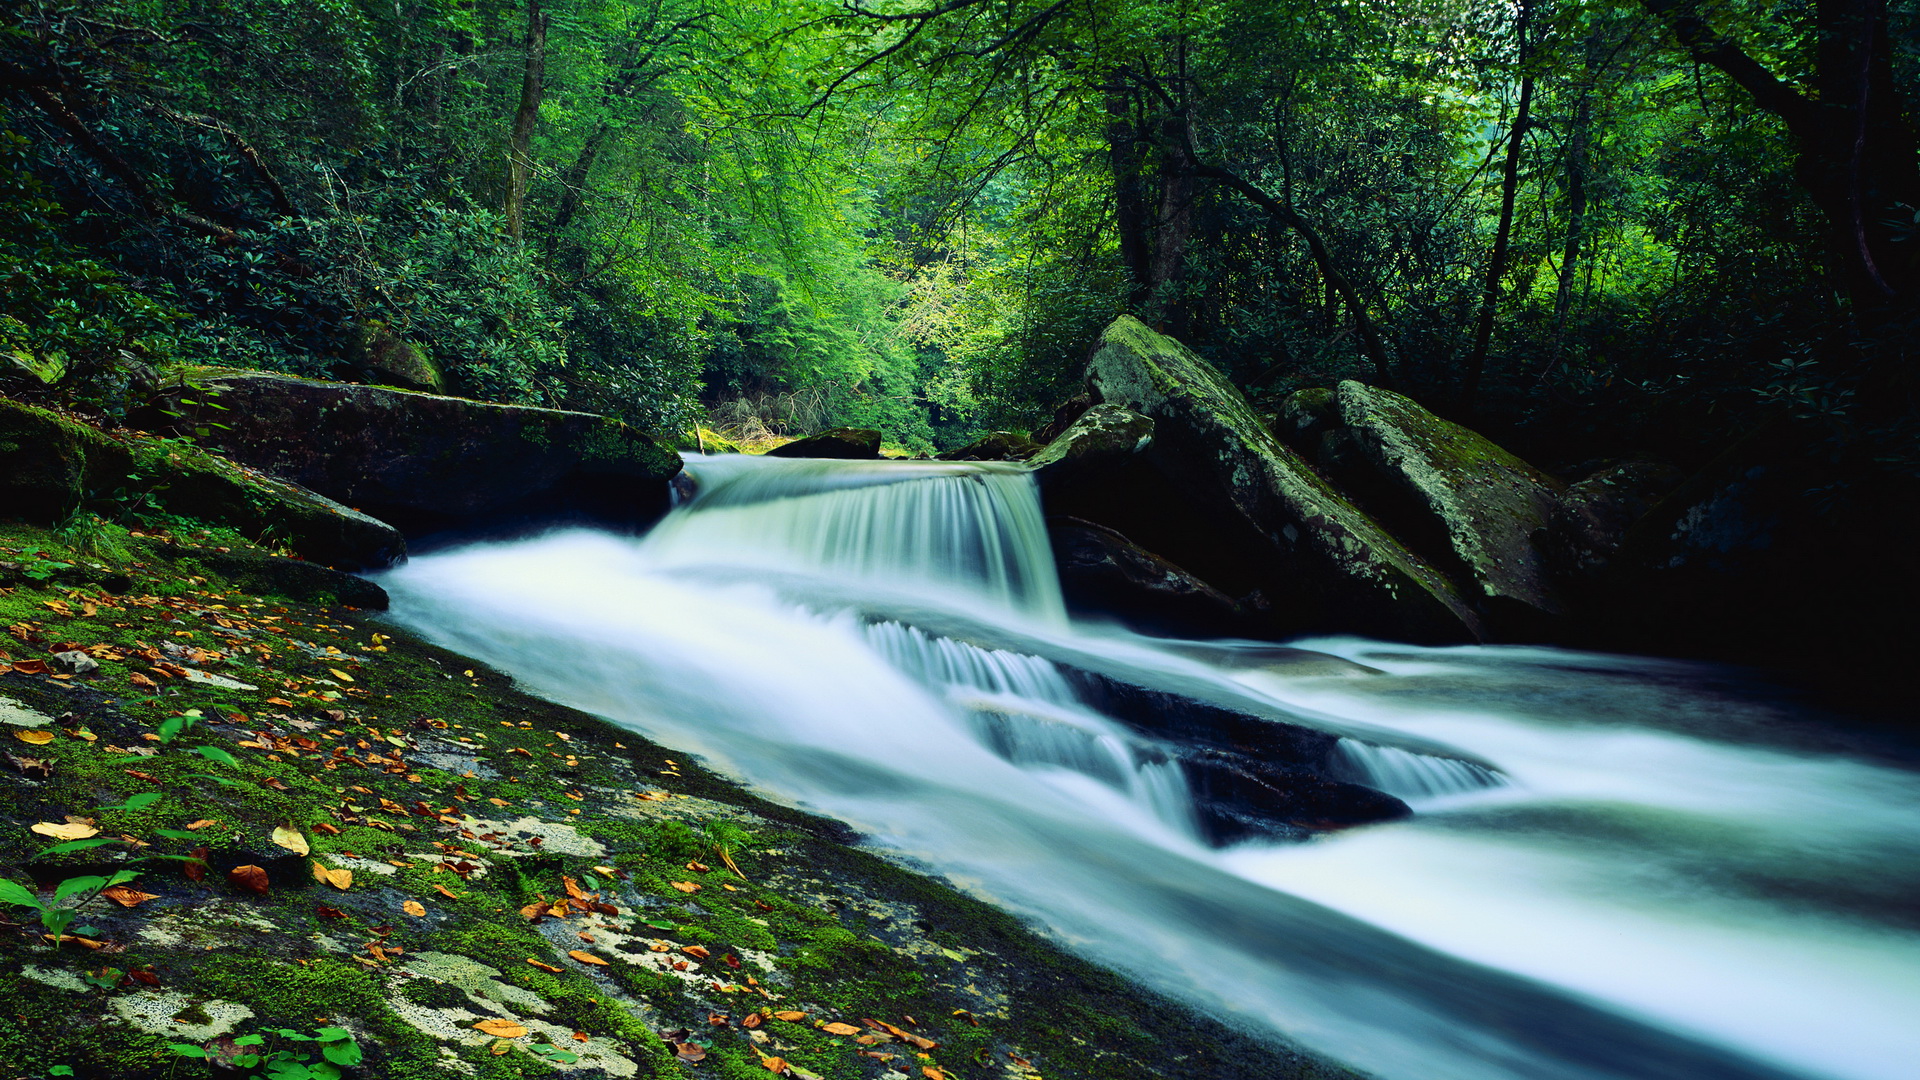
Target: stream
1616, 867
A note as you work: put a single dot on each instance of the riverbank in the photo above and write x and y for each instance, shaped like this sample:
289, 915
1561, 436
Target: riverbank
345, 834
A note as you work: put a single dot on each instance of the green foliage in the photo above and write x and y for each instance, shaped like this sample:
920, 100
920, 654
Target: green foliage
337, 1051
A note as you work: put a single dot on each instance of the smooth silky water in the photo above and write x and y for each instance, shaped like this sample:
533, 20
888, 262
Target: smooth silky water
1618, 868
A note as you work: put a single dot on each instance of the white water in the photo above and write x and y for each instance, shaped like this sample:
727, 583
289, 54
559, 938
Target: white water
1664, 886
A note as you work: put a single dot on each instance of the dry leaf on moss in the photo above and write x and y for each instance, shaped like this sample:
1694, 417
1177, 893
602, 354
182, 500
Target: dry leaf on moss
249, 877
588, 958
66, 830
35, 737
339, 879
414, 908
290, 838
502, 1029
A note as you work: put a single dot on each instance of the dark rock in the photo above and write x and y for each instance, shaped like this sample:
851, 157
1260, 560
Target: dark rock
383, 357
1240, 797
305, 582
1257, 503
844, 443
1103, 572
1098, 440
1304, 416
1472, 503
995, 446
1063, 418
1594, 515
424, 462
49, 464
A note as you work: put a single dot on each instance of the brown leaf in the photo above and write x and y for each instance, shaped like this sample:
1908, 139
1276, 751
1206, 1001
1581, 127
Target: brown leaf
328, 828
686, 886
326, 912
414, 908
581, 1036
339, 879
203, 823
774, 1064
31, 667
698, 867
588, 958
197, 869
444, 891
536, 910
717, 1019
698, 952
751, 1020
501, 1029
690, 1051
32, 767
249, 877
837, 1028
126, 897
544, 966
35, 736
140, 680
573, 888
790, 1016
933, 1072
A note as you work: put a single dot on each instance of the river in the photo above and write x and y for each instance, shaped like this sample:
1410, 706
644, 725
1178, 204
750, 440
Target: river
1617, 867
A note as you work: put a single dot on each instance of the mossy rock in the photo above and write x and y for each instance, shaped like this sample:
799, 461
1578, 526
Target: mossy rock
425, 461
48, 463
1483, 504
1300, 537
995, 446
861, 444
388, 359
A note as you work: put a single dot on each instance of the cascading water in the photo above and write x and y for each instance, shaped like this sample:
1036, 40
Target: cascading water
1619, 869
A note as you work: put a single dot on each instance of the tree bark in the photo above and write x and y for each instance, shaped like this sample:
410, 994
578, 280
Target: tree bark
1127, 158
520, 142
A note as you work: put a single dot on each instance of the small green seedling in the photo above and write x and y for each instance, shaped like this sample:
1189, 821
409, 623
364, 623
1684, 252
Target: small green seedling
337, 1047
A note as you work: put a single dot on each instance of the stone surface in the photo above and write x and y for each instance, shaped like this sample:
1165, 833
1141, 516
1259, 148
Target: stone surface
1103, 572
1326, 562
387, 359
1099, 438
995, 446
1304, 416
1594, 515
75, 662
845, 443
1473, 503
425, 461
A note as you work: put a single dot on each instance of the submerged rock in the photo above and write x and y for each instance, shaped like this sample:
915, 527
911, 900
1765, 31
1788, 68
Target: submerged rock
1471, 501
423, 461
1295, 535
844, 443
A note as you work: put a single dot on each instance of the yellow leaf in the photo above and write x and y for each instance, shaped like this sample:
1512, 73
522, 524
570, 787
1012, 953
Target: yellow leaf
588, 958
544, 966
503, 1029
839, 1029
339, 879
790, 1016
66, 831
289, 837
36, 737
414, 908
341, 675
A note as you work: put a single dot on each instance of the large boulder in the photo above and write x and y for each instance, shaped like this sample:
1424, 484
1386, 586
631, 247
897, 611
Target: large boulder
383, 357
1594, 515
1098, 439
427, 462
862, 444
1320, 560
995, 446
51, 466
1453, 494
1103, 572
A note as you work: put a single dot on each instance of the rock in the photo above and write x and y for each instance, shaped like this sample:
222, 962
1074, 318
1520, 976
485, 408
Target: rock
1304, 416
75, 662
1253, 501
1455, 495
1102, 571
1063, 418
48, 463
425, 462
383, 357
708, 441
1099, 438
305, 582
846, 443
995, 446
1593, 516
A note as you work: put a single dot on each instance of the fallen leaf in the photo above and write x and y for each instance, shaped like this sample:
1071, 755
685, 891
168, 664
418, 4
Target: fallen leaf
543, 966
690, 1051
203, 823
581, 1036
414, 908
751, 1020
328, 828
717, 1019
290, 838
837, 1028
501, 1029
126, 897
588, 958
790, 1016
339, 879
446, 892
326, 912
501, 1048
341, 675
34, 737
774, 1064
196, 869
31, 667
698, 867
249, 877
138, 679
686, 886
70, 830
698, 952
499, 802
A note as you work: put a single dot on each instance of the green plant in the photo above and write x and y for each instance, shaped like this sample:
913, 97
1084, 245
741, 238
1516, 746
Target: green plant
39, 565
58, 916
338, 1050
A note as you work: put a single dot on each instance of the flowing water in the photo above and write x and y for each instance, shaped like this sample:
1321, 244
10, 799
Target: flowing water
1617, 868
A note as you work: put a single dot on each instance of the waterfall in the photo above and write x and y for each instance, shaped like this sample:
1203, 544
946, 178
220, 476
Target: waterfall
1410, 775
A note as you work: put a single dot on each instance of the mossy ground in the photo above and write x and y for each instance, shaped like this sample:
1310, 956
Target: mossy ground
511, 860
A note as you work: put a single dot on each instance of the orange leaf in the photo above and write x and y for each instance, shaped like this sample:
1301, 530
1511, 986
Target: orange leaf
32, 667
543, 966
444, 891
126, 897
698, 952
790, 1016
413, 908
751, 1020
588, 958
339, 879
774, 1064
501, 1029
837, 1028
203, 823
138, 679
686, 886
581, 1036
249, 877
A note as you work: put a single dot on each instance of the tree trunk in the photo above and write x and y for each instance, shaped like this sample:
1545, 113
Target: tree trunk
1476, 365
1576, 218
1126, 155
520, 142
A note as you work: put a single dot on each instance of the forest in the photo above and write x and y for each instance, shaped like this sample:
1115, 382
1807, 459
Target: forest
1592, 228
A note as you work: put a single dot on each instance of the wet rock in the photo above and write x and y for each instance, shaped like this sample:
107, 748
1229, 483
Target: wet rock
1292, 534
1103, 572
302, 581
995, 446
425, 461
1472, 503
75, 662
1063, 418
1099, 439
845, 443
1304, 416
